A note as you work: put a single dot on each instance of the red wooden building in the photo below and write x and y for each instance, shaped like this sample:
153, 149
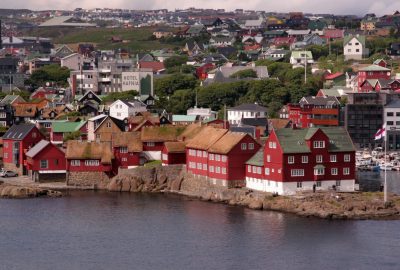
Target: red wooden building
46, 162
127, 148
220, 155
297, 159
315, 111
373, 72
154, 137
16, 142
94, 157
202, 71
173, 153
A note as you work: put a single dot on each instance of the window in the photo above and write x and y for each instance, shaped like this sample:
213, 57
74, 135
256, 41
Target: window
347, 158
346, 171
199, 166
333, 158
334, 171
299, 184
254, 169
75, 162
43, 164
218, 169
204, 154
357, 50
389, 114
318, 183
212, 169
6, 145
124, 159
211, 156
108, 124
319, 144
243, 146
251, 146
223, 158
249, 168
268, 158
199, 153
338, 183
389, 123
56, 162
266, 171
150, 144
297, 172
304, 159
217, 157
5, 155
91, 162
290, 159
319, 171
123, 149
223, 170
318, 158
165, 157
258, 170
204, 167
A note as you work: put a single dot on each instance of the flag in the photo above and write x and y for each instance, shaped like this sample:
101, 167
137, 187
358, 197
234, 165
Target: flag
380, 133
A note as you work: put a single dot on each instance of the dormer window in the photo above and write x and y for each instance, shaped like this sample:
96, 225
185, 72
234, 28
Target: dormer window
319, 144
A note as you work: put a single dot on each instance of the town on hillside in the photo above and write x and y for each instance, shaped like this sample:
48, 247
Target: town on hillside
273, 102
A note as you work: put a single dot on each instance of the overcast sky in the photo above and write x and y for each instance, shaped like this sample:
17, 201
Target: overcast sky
359, 7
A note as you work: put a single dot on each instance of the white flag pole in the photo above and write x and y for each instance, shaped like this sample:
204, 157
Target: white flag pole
385, 183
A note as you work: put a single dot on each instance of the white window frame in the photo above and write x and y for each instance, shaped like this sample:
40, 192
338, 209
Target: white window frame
304, 159
217, 157
334, 171
319, 158
319, 144
333, 158
75, 162
290, 159
223, 170
212, 169
46, 162
251, 146
346, 171
150, 144
123, 149
243, 146
299, 184
266, 171
297, 172
217, 169
249, 168
347, 158
320, 171
223, 158
211, 156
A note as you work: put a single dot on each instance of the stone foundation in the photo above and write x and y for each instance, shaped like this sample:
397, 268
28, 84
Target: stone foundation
96, 180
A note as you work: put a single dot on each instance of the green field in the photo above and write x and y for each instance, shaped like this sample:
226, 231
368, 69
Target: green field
137, 39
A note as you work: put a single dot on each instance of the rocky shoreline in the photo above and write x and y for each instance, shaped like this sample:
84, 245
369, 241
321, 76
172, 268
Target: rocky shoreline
22, 192
174, 179
335, 205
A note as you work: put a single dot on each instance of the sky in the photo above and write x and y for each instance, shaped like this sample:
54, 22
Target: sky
357, 7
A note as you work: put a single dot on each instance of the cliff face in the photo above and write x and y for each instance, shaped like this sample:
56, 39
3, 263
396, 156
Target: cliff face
324, 205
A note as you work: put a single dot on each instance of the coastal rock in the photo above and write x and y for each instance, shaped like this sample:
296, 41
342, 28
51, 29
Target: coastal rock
17, 192
256, 205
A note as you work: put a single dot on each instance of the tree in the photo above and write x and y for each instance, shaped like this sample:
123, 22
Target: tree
50, 73
175, 61
246, 73
120, 95
166, 86
72, 136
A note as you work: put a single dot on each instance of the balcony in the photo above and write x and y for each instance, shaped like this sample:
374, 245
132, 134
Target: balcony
105, 80
104, 70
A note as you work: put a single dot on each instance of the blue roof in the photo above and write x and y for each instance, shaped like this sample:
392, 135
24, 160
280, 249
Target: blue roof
183, 118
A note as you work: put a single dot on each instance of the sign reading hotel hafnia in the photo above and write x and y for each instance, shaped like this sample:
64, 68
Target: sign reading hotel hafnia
130, 81
141, 81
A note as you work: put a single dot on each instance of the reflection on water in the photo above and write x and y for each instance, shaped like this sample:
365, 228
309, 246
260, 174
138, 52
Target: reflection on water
152, 231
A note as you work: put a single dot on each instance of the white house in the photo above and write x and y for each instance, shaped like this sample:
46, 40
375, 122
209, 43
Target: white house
203, 113
354, 47
248, 110
123, 109
301, 57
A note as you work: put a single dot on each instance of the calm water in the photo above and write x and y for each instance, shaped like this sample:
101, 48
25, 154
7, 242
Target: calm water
150, 231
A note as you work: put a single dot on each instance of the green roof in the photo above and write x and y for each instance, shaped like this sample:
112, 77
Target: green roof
374, 68
301, 54
257, 159
294, 140
67, 126
183, 118
347, 39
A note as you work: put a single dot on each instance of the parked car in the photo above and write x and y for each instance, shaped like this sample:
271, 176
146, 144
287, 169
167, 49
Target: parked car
8, 174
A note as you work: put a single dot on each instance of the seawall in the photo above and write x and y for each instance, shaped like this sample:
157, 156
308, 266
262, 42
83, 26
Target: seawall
330, 205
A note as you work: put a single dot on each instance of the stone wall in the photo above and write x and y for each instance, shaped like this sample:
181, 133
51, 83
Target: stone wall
96, 180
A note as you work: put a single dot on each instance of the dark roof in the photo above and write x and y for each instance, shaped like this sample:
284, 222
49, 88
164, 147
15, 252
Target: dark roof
257, 159
227, 51
393, 104
255, 122
249, 107
244, 129
18, 132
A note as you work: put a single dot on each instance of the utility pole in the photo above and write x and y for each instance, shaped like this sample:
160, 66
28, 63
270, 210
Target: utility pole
305, 66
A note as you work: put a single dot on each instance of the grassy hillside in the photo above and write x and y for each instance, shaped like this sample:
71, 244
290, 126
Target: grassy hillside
136, 39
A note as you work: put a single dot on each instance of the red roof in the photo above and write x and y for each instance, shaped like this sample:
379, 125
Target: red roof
334, 33
333, 76
155, 66
252, 47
